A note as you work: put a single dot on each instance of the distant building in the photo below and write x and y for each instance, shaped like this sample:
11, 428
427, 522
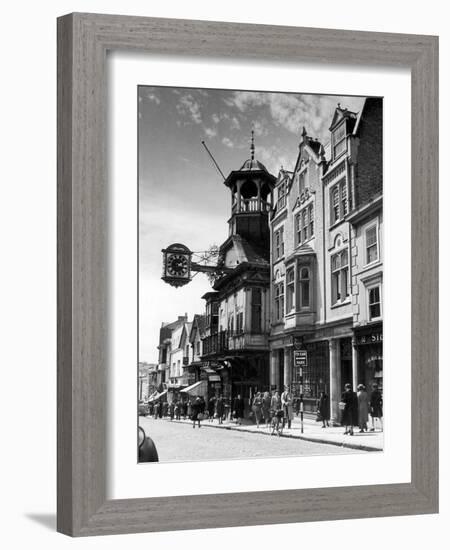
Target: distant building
165, 350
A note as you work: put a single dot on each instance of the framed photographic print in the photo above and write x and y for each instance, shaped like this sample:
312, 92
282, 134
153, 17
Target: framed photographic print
238, 311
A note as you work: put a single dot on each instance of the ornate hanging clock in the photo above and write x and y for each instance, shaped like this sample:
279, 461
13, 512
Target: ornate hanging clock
176, 265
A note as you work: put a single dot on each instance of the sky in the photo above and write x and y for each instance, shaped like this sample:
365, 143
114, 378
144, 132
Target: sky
181, 194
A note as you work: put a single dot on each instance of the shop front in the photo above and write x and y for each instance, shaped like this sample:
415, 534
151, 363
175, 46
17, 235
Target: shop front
368, 342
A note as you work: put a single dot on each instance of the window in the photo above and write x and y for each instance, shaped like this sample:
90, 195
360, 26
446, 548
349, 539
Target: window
279, 243
304, 282
371, 244
240, 322
230, 323
374, 303
282, 195
305, 224
279, 301
311, 219
298, 229
339, 277
256, 310
215, 316
338, 201
198, 347
339, 140
290, 290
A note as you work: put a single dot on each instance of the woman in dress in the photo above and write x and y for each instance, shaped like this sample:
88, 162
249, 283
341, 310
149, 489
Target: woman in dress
257, 408
196, 409
220, 409
376, 407
266, 408
238, 409
323, 408
350, 410
363, 408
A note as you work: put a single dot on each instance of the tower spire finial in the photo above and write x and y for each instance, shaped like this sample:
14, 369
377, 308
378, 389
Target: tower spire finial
252, 146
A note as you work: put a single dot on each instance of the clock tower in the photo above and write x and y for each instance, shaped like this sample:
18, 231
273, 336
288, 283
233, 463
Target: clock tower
251, 201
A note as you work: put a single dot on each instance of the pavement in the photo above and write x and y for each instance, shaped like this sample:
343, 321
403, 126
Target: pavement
312, 431
179, 442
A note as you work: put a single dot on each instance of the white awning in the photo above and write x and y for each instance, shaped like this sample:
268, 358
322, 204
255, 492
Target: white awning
155, 397
199, 388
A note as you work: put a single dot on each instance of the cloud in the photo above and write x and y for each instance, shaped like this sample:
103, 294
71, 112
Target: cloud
153, 98
210, 132
227, 142
188, 106
293, 111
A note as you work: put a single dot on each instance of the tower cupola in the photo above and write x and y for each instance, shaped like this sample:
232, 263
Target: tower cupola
251, 199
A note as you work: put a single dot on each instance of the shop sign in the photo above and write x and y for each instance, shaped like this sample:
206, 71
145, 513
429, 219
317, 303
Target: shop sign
300, 358
364, 339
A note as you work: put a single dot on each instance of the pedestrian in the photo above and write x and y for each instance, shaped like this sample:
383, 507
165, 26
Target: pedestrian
288, 408
211, 408
156, 410
376, 406
189, 408
363, 408
177, 410
165, 409
257, 408
276, 412
220, 409
266, 408
171, 410
196, 409
238, 408
349, 408
323, 409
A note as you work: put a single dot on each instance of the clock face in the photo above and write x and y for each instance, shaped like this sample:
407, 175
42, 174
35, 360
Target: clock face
177, 265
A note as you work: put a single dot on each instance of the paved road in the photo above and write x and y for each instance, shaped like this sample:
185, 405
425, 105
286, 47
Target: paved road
180, 442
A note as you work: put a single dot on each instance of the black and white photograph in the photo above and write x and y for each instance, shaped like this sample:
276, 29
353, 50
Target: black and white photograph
260, 274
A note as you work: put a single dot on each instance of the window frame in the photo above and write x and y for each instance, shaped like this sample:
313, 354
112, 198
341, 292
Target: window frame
336, 274
336, 143
368, 227
278, 247
290, 290
279, 301
301, 282
369, 288
339, 207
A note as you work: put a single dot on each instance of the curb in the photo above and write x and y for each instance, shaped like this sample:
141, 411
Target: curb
355, 446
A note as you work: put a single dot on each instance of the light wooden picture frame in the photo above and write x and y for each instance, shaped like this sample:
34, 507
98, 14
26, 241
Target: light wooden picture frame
83, 42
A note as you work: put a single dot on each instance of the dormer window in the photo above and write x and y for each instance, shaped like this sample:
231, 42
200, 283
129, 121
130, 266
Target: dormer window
338, 138
282, 195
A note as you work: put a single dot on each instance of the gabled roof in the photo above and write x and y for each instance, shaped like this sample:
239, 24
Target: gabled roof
339, 114
198, 326
245, 252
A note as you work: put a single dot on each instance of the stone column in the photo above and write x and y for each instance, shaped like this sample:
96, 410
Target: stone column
287, 367
335, 381
354, 364
274, 367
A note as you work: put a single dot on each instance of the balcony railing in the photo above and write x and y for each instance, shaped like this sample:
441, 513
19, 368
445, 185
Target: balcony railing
233, 340
251, 205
